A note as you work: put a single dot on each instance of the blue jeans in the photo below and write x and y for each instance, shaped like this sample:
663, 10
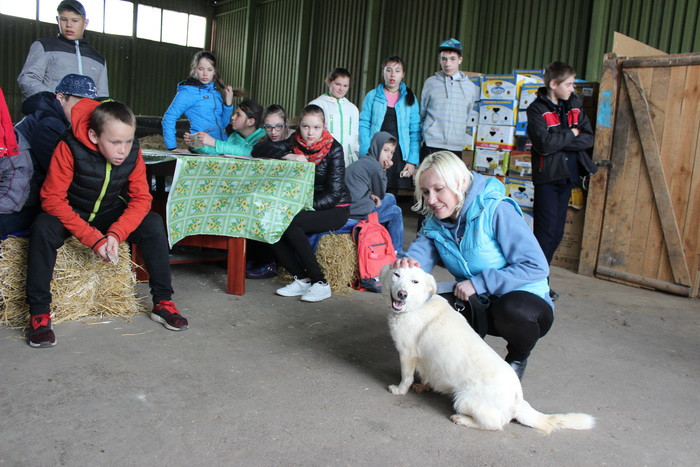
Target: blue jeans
390, 212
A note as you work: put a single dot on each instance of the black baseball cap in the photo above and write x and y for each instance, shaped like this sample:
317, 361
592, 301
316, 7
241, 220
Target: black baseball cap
73, 5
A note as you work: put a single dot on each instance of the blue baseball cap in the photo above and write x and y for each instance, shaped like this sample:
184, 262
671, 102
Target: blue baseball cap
450, 45
77, 85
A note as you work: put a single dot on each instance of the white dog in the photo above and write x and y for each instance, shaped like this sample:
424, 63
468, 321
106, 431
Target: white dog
450, 357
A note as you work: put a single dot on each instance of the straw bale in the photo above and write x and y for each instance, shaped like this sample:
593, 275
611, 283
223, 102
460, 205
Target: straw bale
337, 256
157, 142
83, 285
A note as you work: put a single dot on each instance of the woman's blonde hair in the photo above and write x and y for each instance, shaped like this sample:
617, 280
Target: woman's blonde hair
452, 170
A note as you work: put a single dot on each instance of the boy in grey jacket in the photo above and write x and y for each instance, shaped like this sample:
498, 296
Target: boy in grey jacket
52, 58
366, 181
446, 100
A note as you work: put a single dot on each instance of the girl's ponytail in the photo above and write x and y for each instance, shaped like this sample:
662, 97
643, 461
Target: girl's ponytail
410, 97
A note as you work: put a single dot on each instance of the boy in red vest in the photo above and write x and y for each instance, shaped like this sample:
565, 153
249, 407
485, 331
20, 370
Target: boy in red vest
94, 170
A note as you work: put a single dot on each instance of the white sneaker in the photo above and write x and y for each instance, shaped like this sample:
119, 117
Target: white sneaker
317, 292
296, 288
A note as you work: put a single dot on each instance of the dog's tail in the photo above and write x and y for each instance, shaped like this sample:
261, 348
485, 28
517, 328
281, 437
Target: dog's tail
548, 423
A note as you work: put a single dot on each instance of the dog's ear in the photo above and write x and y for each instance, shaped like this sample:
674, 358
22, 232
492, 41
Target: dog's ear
432, 285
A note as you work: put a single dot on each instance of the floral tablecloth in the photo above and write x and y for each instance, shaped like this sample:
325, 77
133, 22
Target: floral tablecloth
237, 197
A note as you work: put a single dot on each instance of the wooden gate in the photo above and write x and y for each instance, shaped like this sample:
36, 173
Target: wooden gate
643, 212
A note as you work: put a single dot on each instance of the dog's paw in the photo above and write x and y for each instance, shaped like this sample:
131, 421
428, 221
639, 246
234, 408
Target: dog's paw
420, 387
394, 389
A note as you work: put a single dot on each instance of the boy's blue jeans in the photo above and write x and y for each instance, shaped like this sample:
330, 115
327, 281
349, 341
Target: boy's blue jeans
48, 234
390, 212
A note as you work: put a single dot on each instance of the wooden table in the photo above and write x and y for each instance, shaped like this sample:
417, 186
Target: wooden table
233, 248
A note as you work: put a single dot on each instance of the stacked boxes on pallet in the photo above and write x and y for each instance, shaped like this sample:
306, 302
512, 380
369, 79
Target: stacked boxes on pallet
498, 116
473, 122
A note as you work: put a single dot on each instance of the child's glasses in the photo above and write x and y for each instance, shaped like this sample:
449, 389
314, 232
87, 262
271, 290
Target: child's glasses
277, 127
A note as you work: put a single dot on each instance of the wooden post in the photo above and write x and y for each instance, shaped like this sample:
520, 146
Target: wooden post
605, 128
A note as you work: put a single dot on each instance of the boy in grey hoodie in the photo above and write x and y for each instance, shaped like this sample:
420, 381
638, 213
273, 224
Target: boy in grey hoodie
366, 181
445, 102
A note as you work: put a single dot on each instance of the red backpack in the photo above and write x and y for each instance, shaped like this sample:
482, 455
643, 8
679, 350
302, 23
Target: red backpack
374, 251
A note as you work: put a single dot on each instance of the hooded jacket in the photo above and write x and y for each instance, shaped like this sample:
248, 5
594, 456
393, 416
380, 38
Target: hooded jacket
204, 108
552, 138
407, 121
490, 244
52, 58
329, 182
366, 177
82, 184
41, 128
15, 164
445, 105
342, 121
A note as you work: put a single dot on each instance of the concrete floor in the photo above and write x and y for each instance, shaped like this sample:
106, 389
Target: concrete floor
260, 379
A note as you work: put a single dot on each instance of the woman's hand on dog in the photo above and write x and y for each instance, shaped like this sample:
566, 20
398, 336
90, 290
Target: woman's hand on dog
405, 263
464, 290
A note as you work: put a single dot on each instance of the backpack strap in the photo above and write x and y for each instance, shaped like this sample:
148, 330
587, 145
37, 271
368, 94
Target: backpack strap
373, 217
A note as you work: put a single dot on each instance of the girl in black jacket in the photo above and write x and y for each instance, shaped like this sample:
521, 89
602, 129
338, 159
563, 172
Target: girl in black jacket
310, 143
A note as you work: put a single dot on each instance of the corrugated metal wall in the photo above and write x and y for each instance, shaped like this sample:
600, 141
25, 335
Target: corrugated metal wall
230, 44
672, 26
527, 34
279, 58
338, 41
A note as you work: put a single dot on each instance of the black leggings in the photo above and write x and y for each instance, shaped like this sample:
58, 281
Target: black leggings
520, 317
293, 250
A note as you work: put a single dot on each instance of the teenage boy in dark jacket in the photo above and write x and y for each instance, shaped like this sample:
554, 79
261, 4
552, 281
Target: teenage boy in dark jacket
560, 133
47, 116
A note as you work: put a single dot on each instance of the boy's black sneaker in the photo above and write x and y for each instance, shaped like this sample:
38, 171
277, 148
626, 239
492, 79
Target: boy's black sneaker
40, 333
165, 313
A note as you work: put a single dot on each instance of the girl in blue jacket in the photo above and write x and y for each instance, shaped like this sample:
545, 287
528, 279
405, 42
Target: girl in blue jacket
200, 101
480, 236
392, 107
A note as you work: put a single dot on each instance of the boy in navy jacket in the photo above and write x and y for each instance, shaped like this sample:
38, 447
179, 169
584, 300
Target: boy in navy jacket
560, 133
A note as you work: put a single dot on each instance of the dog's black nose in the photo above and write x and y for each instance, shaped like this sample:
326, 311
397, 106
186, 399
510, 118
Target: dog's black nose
402, 294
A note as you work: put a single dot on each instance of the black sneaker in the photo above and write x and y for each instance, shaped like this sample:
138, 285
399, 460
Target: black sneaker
266, 271
165, 313
40, 333
553, 295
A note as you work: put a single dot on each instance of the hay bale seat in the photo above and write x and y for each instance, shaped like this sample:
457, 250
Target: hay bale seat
83, 284
337, 256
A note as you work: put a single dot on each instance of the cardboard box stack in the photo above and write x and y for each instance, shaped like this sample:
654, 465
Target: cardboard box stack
468, 153
498, 119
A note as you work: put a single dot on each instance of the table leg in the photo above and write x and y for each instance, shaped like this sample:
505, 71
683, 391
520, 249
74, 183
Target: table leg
235, 266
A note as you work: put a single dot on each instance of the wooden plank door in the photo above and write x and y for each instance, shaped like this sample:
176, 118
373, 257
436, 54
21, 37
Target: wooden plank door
650, 233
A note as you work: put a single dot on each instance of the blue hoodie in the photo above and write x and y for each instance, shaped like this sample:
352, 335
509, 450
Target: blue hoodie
508, 259
204, 108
